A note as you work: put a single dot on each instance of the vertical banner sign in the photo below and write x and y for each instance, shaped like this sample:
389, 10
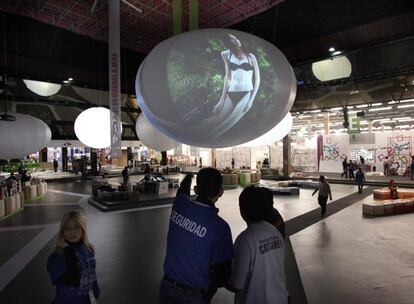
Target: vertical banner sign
354, 124
114, 77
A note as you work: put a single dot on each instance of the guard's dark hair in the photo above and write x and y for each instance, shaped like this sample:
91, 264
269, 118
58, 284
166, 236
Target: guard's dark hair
322, 178
268, 195
252, 203
209, 182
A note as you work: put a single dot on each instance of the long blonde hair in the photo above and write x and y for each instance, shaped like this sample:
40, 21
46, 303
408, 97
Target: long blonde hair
77, 217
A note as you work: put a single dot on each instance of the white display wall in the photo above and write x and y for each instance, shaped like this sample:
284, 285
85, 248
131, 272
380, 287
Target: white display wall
304, 159
276, 157
223, 158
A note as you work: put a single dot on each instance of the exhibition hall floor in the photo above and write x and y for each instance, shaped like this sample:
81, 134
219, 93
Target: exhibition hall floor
342, 258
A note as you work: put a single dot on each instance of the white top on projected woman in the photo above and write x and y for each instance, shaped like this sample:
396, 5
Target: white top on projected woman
239, 90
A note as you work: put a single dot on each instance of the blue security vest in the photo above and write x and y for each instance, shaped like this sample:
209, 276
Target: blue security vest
197, 238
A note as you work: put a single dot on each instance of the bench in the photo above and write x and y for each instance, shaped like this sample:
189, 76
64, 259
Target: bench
381, 204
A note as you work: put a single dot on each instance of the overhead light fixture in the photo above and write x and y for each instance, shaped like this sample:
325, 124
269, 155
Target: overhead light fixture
405, 119
406, 106
335, 109
407, 100
336, 53
70, 79
65, 81
376, 104
380, 109
331, 49
362, 106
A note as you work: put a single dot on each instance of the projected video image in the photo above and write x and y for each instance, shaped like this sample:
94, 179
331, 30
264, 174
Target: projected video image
227, 87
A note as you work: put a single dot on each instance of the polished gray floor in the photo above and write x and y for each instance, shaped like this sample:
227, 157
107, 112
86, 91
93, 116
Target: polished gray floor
343, 258
348, 258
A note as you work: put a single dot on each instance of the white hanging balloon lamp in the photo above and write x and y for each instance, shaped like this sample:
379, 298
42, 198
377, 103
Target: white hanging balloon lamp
42, 88
93, 127
151, 137
22, 136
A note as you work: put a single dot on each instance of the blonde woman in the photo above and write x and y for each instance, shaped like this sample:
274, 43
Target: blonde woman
72, 265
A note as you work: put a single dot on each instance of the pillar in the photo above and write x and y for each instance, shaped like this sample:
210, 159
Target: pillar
287, 156
94, 162
130, 157
213, 158
164, 159
43, 155
64, 159
326, 123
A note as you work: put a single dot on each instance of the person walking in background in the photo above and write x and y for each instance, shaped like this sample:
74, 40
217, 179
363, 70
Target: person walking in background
99, 166
360, 180
55, 165
345, 167
258, 273
362, 162
386, 165
72, 265
351, 168
199, 243
324, 191
125, 176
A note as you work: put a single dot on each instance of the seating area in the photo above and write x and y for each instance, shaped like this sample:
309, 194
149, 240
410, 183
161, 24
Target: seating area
290, 187
233, 179
382, 204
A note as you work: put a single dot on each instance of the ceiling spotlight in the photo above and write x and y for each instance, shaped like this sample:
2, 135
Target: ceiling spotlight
336, 53
331, 49
70, 78
65, 81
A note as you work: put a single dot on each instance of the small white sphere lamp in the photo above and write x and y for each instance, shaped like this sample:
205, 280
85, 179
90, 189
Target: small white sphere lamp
93, 127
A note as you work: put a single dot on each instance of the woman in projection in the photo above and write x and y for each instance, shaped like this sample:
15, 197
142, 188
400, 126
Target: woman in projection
239, 89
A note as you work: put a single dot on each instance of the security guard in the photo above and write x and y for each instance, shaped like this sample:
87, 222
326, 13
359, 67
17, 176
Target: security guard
199, 243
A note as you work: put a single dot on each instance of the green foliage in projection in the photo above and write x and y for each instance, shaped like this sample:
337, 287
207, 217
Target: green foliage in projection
198, 72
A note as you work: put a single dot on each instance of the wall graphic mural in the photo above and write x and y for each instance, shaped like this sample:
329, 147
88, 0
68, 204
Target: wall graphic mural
331, 150
398, 148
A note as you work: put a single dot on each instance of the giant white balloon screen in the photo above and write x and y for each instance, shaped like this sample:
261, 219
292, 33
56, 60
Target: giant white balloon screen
215, 87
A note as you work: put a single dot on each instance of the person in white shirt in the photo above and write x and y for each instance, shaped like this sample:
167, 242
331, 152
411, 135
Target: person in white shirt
324, 191
258, 274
